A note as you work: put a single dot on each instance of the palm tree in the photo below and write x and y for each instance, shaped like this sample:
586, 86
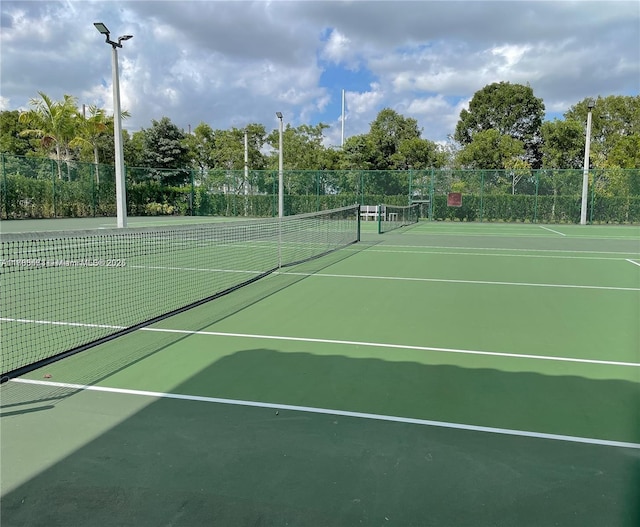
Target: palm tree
91, 129
53, 122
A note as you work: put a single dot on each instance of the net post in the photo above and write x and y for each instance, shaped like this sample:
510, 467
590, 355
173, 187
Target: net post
358, 219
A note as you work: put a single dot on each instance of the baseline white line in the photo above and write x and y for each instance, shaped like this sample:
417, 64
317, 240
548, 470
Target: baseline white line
343, 413
343, 343
633, 262
480, 282
551, 230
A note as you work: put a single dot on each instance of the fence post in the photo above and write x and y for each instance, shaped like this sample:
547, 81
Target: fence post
431, 193
53, 188
481, 196
593, 195
192, 192
93, 191
535, 203
4, 189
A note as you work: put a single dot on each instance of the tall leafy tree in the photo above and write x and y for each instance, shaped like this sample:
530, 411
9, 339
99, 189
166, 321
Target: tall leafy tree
134, 148
201, 147
165, 149
303, 151
11, 140
614, 118
563, 144
511, 109
490, 150
387, 133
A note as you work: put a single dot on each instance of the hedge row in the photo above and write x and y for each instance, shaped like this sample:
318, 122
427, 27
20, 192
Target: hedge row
24, 197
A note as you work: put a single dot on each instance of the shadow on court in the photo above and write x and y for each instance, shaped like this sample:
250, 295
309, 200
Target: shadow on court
91, 366
192, 463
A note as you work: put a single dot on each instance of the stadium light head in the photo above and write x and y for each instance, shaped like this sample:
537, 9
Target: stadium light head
124, 37
279, 115
101, 28
590, 104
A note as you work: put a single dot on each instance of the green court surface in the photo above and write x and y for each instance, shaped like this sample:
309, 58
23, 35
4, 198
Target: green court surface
444, 374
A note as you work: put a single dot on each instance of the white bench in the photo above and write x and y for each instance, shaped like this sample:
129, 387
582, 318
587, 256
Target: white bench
370, 212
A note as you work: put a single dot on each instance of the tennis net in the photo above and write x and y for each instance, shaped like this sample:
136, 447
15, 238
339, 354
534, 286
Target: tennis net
65, 292
393, 217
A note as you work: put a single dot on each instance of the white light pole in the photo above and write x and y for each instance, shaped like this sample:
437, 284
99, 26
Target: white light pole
585, 171
280, 174
246, 172
121, 192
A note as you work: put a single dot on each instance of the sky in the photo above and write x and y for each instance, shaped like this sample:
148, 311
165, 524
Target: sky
232, 63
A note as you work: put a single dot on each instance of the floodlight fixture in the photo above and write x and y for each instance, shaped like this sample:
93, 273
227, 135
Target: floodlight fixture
279, 115
102, 28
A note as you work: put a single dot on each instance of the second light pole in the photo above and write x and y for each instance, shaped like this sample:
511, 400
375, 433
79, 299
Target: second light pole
585, 172
280, 170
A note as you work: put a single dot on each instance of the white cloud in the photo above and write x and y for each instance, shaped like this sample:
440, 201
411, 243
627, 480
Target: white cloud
338, 48
364, 102
229, 63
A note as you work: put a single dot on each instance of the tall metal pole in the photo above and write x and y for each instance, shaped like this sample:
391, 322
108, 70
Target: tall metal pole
585, 171
121, 193
280, 171
342, 123
246, 172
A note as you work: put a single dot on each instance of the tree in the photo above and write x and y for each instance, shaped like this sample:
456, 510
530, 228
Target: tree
357, 153
201, 147
388, 131
614, 118
511, 109
490, 149
90, 133
134, 148
11, 140
303, 151
164, 149
419, 154
52, 122
625, 153
562, 144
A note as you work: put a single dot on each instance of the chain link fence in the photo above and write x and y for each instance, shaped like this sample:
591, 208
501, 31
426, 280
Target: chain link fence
44, 188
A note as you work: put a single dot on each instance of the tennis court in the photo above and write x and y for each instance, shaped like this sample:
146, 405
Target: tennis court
439, 374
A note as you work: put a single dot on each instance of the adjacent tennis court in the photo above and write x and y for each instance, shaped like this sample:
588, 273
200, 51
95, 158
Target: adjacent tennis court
439, 374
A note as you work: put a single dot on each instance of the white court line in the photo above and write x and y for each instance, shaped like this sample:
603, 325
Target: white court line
498, 255
343, 413
344, 343
633, 262
198, 269
375, 249
480, 282
551, 230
